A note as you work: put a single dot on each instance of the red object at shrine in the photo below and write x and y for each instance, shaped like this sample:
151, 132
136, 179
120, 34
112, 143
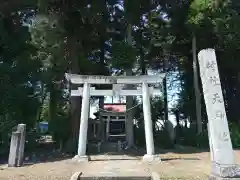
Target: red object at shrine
115, 107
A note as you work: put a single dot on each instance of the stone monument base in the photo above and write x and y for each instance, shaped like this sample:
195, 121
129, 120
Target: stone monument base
151, 158
213, 177
78, 158
224, 172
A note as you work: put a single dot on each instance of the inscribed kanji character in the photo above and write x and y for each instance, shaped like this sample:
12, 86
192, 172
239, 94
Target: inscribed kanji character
220, 114
223, 136
216, 98
214, 80
212, 65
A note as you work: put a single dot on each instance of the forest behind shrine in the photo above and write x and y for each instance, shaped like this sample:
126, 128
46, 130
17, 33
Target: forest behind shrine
41, 40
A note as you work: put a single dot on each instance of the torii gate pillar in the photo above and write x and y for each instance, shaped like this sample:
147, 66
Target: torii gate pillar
82, 141
147, 120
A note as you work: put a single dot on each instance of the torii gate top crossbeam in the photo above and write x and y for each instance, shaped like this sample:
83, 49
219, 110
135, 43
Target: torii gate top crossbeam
81, 79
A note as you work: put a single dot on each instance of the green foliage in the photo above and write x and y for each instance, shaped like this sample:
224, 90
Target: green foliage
235, 134
134, 9
202, 140
44, 114
139, 135
161, 137
163, 140
19, 71
157, 108
60, 127
123, 55
77, 36
200, 5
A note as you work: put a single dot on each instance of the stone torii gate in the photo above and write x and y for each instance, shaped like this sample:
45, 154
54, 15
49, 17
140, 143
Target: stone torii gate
87, 91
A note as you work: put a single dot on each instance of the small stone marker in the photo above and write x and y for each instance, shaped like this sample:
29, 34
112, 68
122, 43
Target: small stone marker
13, 153
16, 153
223, 160
22, 129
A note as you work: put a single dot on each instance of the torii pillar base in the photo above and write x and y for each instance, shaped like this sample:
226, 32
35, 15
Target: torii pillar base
80, 159
151, 158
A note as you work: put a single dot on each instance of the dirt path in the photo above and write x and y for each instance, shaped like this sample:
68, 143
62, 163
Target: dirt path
173, 166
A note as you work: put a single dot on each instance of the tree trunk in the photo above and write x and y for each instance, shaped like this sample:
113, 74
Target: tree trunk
52, 113
196, 87
102, 68
178, 127
101, 99
165, 90
75, 102
129, 99
142, 62
40, 107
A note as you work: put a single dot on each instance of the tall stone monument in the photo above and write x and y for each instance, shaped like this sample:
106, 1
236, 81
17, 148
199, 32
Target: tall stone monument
222, 154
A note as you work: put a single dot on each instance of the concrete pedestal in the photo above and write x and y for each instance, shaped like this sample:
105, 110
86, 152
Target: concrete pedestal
151, 158
78, 158
222, 172
212, 177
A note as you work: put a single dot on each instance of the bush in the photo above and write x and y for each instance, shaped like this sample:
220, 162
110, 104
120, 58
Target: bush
31, 141
235, 134
202, 140
139, 135
190, 138
163, 140
60, 128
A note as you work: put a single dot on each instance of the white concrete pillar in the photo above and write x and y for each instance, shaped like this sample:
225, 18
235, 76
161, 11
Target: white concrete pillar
84, 121
147, 119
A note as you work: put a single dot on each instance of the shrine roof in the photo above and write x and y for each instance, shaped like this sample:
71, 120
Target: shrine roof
117, 107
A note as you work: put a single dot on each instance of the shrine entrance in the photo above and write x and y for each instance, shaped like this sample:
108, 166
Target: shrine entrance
107, 132
116, 125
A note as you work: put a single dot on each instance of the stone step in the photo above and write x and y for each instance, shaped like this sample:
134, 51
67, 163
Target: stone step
114, 176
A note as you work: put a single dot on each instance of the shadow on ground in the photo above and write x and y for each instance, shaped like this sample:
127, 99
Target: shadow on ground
34, 158
137, 153
42, 153
178, 149
45, 153
185, 159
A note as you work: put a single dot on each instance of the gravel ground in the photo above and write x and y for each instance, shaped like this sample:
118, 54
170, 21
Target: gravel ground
173, 166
